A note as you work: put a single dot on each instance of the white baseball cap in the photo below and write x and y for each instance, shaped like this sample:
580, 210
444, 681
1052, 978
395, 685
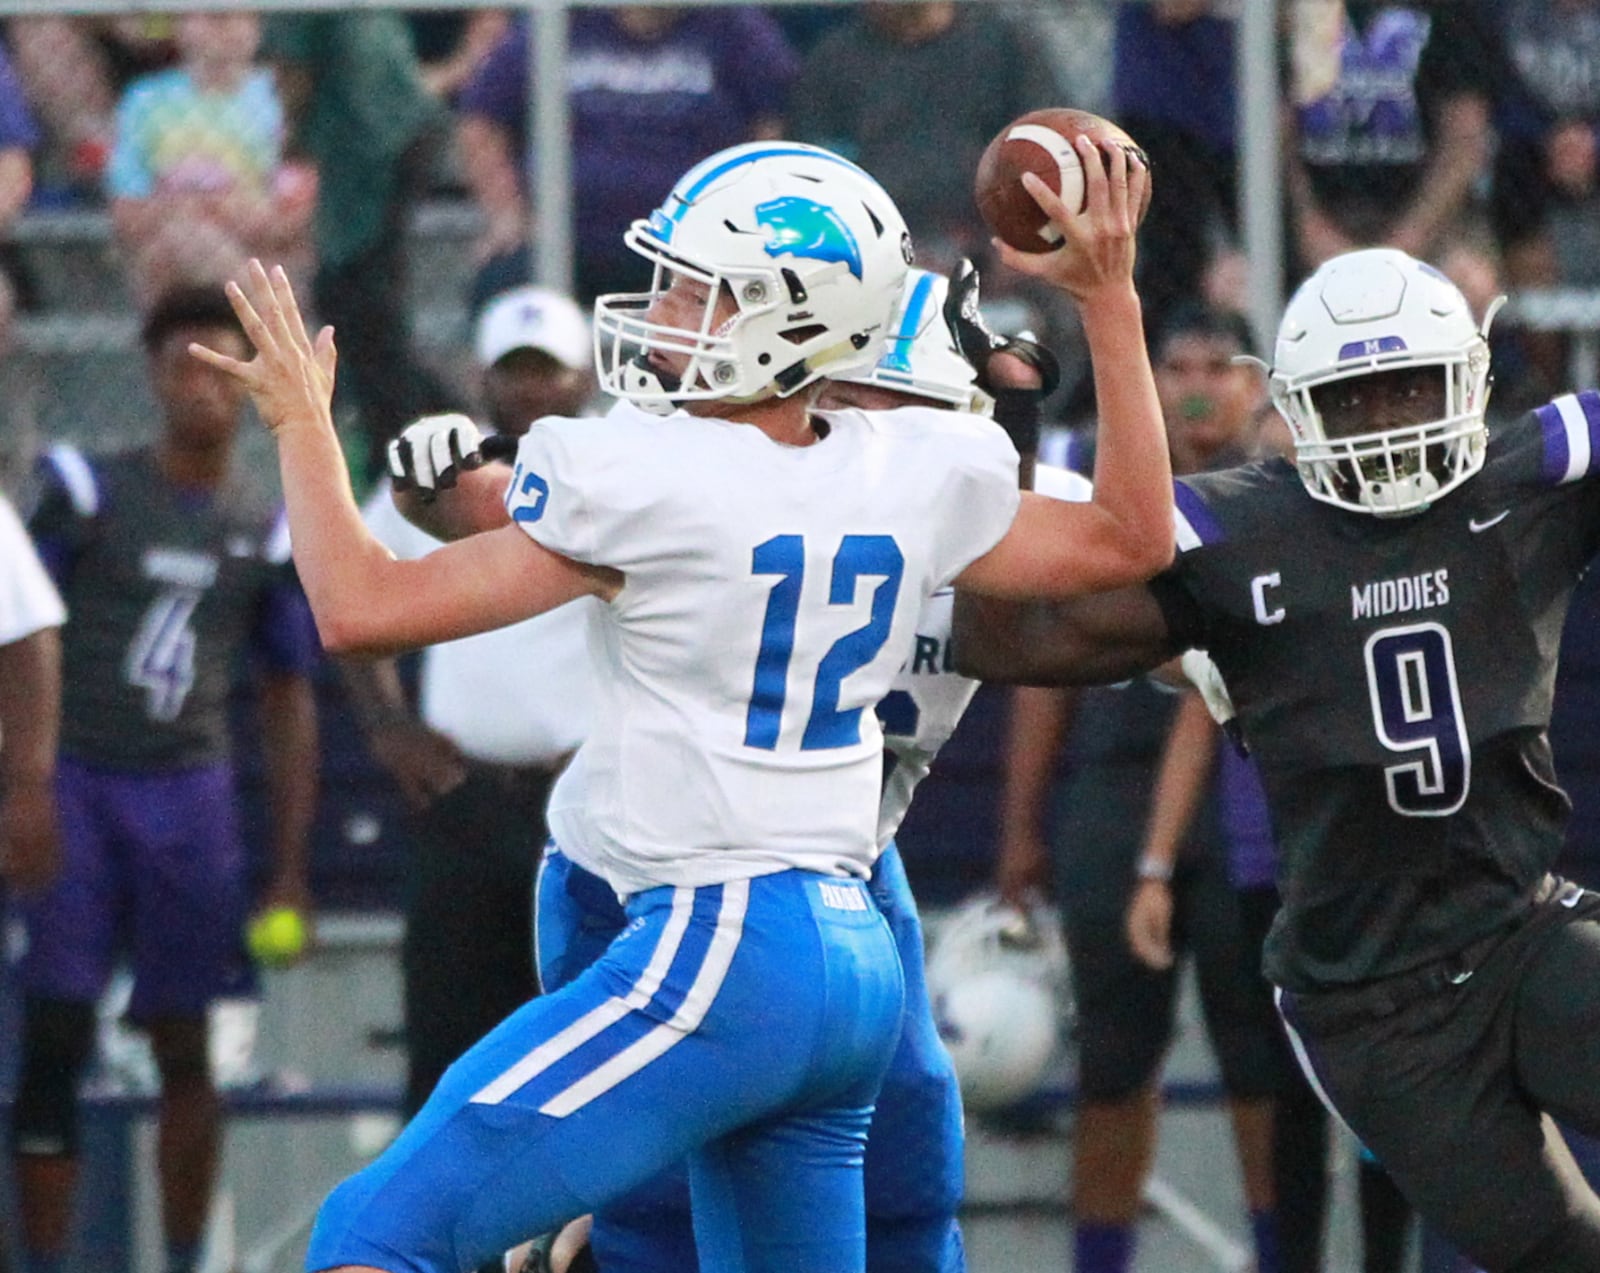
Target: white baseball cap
534, 318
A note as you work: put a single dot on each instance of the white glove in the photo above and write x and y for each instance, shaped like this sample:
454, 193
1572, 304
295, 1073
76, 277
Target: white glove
1200, 670
431, 453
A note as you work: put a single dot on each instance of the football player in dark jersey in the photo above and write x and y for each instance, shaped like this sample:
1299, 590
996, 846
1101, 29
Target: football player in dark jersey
1386, 610
173, 565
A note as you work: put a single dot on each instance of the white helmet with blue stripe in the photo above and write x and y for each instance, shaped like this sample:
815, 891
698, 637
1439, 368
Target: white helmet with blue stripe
921, 357
1363, 314
812, 252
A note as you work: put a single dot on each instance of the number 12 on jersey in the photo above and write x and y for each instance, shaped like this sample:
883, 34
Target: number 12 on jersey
859, 556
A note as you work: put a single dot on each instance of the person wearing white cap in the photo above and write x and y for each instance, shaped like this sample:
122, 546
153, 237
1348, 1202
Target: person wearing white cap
475, 759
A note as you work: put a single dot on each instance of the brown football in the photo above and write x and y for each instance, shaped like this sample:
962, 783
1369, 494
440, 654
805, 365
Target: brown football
1042, 141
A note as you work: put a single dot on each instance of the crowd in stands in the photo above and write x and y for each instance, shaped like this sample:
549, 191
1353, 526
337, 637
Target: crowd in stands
1466, 132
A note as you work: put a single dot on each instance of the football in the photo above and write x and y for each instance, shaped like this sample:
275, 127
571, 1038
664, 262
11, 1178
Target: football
1044, 142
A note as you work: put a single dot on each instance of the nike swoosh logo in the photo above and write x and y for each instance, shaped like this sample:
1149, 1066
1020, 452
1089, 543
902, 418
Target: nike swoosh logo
1475, 526
1572, 899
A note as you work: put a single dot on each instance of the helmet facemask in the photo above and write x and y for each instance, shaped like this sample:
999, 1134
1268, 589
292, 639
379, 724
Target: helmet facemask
1380, 313
808, 248
1400, 470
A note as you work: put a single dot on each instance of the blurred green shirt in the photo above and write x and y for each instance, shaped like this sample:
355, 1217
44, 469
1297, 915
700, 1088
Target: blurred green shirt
367, 106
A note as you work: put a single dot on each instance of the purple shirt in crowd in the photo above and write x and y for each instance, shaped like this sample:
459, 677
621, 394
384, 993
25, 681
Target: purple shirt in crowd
643, 111
17, 128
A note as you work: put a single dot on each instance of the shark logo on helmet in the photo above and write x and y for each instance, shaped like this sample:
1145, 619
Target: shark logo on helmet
807, 229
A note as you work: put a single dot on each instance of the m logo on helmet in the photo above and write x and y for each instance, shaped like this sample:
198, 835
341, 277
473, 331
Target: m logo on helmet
812, 231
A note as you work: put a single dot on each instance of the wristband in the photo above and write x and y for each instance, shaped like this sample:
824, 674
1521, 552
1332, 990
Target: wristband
1154, 868
1017, 412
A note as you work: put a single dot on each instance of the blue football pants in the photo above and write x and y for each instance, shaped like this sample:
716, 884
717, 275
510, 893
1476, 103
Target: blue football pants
743, 1027
914, 1164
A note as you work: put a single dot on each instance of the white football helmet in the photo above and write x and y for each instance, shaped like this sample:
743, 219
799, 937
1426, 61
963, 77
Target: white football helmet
997, 978
1378, 310
812, 251
921, 357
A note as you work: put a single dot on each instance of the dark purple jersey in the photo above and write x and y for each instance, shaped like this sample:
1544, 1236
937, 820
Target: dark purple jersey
166, 590
1394, 680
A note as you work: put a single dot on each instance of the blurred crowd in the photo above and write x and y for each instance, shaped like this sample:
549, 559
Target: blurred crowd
1462, 131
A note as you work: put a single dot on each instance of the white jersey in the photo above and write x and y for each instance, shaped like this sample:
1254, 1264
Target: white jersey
519, 695
770, 594
929, 696
29, 601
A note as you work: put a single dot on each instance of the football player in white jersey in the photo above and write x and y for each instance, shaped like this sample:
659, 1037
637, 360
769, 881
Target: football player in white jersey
763, 565
914, 1160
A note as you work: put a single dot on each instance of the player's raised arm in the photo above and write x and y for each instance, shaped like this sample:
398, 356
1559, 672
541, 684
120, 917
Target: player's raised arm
363, 599
1125, 534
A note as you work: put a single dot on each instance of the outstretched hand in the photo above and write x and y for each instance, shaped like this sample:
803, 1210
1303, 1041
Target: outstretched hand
291, 378
1097, 248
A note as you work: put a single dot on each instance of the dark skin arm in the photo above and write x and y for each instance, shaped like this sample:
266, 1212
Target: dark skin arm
424, 764
289, 745
30, 716
1094, 639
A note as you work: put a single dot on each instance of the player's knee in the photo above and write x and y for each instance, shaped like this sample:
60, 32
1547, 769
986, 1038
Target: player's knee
182, 1052
58, 1038
1250, 1064
1114, 1065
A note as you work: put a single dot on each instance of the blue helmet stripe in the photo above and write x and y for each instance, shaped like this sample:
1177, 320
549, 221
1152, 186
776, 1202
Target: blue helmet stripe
662, 223
898, 356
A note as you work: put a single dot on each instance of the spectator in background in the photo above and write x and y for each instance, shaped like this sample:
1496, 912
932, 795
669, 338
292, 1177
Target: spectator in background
31, 615
451, 43
1193, 759
74, 68
1545, 196
197, 179
359, 112
475, 761
1172, 88
18, 138
174, 567
913, 113
1116, 838
1388, 124
651, 91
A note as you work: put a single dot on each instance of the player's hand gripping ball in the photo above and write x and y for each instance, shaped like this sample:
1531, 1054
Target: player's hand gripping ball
1043, 142
277, 937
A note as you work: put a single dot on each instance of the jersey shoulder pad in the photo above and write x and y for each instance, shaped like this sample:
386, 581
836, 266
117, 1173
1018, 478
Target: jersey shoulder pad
1235, 503
1549, 446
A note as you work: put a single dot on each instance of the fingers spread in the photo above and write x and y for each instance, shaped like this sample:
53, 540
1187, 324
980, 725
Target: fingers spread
260, 335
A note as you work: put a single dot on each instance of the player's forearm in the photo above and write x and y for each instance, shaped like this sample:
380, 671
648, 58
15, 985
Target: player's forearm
1034, 731
491, 173
289, 745
375, 692
1459, 155
350, 578
1096, 639
1132, 475
30, 708
1186, 763
476, 503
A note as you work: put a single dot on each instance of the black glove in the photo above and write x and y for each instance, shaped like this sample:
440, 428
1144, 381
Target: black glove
977, 344
1015, 410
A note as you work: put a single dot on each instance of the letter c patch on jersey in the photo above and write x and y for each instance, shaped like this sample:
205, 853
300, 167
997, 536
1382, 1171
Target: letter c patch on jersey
1258, 594
535, 491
